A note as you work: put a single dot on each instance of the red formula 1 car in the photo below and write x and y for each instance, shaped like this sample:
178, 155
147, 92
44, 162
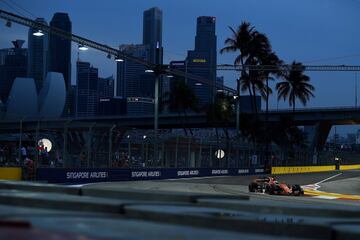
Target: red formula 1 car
269, 185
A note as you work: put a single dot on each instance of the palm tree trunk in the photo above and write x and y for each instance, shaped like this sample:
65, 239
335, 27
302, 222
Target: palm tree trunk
254, 97
293, 100
251, 99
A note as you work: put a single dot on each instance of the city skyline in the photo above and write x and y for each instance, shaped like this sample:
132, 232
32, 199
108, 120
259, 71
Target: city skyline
296, 38
135, 35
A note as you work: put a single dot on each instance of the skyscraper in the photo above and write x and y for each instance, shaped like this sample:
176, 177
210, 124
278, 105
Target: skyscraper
86, 89
152, 32
132, 81
106, 87
37, 55
130, 75
13, 63
202, 60
60, 48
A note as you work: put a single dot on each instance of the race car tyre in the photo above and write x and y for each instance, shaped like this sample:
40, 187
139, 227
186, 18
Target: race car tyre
252, 187
297, 190
269, 189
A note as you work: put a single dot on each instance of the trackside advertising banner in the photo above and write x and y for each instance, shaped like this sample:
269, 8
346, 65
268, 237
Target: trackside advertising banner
83, 175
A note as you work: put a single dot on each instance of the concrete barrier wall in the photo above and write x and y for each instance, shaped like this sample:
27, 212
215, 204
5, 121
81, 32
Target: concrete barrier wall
349, 167
301, 169
10, 173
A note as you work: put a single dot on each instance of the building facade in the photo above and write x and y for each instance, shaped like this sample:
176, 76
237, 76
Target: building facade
130, 74
152, 33
106, 87
202, 60
60, 48
37, 55
86, 90
13, 64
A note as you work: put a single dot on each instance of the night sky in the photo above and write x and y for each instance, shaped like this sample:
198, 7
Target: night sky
313, 32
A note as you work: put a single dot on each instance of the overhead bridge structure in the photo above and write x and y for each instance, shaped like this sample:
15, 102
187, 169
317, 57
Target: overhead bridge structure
322, 119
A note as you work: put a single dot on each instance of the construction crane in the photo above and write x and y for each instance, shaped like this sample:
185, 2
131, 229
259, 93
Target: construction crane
162, 68
157, 68
309, 68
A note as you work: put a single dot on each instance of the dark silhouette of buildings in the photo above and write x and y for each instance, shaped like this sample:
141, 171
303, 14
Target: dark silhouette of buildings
152, 33
37, 55
60, 48
132, 81
112, 106
86, 89
130, 75
106, 87
202, 60
13, 64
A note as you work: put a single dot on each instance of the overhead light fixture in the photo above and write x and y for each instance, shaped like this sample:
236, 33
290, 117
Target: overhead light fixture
235, 96
169, 76
8, 23
118, 59
82, 47
149, 71
39, 33
198, 84
220, 90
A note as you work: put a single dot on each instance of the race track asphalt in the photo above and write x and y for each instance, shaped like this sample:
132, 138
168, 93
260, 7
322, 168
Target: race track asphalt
206, 208
301, 179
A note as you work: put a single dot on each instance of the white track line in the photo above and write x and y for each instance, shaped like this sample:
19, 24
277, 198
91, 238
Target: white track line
327, 179
316, 186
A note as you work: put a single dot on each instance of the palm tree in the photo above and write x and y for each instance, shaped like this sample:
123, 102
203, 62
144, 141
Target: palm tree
239, 41
252, 45
181, 99
219, 113
295, 86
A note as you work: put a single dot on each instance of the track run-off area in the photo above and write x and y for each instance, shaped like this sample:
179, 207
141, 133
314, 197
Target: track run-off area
193, 208
340, 185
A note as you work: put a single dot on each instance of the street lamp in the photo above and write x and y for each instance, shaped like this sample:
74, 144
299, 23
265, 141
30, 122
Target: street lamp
118, 59
82, 47
38, 33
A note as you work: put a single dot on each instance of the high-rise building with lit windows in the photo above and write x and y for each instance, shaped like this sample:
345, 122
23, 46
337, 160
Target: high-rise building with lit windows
202, 61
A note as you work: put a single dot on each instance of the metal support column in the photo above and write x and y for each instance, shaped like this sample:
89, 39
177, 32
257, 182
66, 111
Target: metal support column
176, 151
156, 118
89, 140
110, 145
163, 163
189, 153
66, 129
210, 155
20, 142
200, 153
36, 143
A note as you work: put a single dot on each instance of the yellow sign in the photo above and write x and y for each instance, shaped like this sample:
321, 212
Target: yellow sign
10, 173
197, 60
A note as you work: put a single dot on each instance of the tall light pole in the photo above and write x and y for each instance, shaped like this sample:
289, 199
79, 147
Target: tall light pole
237, 99
159, 70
